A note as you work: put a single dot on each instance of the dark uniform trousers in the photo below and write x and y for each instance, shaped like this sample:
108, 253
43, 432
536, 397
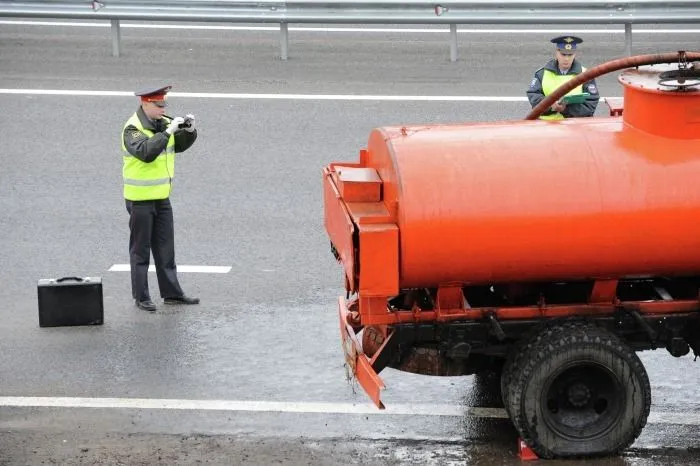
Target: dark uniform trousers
151, 225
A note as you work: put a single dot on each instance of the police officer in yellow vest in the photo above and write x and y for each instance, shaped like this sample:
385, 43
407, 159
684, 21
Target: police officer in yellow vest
150, 140
557, 71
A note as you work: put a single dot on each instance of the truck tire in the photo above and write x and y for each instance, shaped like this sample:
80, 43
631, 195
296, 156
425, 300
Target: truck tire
518, 354
513, 360
578, 390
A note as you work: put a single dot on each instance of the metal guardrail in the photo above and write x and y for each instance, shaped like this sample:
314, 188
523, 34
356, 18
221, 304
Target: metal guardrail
452, 13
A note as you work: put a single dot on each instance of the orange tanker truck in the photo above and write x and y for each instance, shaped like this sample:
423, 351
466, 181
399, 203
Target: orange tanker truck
549, 251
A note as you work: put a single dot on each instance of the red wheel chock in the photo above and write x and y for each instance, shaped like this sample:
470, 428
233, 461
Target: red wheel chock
525, 453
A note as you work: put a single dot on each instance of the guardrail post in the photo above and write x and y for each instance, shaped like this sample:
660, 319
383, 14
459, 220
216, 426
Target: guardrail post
284, 40
116, 37
453, 42
628, 39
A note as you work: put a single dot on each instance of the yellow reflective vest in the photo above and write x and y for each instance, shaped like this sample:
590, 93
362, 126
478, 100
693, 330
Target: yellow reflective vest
550, 82
148, 181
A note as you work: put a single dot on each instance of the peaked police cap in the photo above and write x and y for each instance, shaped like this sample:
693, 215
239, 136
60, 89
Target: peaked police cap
566, 44
155, 94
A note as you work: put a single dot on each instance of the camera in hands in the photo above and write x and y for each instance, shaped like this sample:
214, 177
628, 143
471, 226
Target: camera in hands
186, 124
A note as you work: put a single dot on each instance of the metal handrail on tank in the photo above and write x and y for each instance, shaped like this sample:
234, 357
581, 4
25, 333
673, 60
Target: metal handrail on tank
609, 67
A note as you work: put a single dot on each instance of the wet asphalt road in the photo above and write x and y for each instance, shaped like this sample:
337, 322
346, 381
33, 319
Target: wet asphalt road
248, 196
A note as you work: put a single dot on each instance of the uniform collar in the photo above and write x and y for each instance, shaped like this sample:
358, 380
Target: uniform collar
554, 67
145, 121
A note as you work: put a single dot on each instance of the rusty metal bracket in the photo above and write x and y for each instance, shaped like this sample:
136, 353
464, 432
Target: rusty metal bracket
634, 312
496, 327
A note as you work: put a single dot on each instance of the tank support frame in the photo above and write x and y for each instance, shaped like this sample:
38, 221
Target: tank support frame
460, 334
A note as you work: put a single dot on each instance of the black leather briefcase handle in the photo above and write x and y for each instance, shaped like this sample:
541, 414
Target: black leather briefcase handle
62, 279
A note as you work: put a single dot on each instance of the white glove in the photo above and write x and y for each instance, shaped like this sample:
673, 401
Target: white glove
172, 127
190, 128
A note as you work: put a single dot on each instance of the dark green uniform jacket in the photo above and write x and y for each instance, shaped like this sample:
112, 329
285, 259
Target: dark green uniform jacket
586, 109
147, 149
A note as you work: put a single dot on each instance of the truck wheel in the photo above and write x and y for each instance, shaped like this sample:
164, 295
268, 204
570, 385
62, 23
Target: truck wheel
578, 390
513, 361
507, 373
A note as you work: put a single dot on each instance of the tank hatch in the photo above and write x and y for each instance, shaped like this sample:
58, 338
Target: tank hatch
663, 99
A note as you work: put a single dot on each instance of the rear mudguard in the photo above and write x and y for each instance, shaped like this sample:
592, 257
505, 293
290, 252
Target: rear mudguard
357, 363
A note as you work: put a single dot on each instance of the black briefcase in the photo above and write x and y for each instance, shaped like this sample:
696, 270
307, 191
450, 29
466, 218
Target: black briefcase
70, 301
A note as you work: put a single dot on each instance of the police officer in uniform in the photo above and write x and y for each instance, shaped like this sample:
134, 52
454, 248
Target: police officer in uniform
556, 72
150, 140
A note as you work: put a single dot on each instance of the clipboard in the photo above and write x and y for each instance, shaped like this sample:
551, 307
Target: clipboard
575, 98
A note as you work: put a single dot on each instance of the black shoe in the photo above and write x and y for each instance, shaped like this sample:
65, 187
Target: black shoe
181, 300
146, 305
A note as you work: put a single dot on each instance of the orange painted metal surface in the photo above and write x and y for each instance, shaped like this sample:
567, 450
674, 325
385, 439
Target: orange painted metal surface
449, 206
658, 308
357, 363
522, 201
340, 226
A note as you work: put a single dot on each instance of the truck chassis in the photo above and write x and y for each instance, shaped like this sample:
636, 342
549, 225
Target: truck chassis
571, 381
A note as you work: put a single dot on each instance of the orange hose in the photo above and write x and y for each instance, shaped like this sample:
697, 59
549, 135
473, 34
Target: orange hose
608, 67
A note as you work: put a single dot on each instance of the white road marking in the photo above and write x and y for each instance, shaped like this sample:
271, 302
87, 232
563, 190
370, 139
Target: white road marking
683, 418
66, 92
354, 29
216, 95
255, 406
421, 98
180, 268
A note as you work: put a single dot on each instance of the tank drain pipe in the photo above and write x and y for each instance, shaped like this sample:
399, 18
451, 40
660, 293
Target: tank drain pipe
609, 67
